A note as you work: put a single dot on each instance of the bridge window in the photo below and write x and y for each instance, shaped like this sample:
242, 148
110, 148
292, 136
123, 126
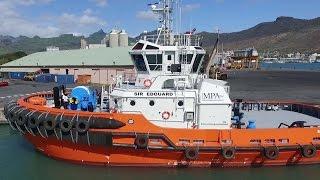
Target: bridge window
168, 84
186, 59
138, 46
139, 62
151, 47
196, 63
155, 62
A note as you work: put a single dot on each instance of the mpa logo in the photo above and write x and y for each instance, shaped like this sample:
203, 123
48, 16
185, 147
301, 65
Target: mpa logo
211, 96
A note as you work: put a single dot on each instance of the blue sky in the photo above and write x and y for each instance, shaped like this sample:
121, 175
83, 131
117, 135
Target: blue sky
48, 18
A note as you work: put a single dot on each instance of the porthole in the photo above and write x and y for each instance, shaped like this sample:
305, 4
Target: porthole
151, 103
132, 103
180, 103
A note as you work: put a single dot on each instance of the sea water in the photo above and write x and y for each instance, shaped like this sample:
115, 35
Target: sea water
291, 66
19, 160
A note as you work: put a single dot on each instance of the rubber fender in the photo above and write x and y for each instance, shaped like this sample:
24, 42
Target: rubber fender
32, 119
50, 122
65, 123
142, 141
103, 123
22, 117
271, 152
82, 125
228, 152
309, 151
191, 153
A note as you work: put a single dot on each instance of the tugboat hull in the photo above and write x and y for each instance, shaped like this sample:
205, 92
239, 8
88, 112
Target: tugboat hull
123, 156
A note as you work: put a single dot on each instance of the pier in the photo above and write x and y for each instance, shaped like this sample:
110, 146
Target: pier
2, 118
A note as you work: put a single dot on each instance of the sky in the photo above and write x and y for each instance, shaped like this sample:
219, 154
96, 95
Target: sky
49, 18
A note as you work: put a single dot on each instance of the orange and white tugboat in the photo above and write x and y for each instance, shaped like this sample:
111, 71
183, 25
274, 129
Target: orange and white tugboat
172, 117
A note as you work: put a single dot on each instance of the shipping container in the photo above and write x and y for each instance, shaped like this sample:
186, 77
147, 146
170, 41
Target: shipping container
64, 79
45, 78
17, 75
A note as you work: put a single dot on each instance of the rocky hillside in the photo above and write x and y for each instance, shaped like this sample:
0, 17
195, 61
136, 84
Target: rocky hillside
285, 34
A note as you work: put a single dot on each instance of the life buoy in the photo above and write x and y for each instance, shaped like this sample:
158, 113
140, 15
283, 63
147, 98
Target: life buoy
228, 152
309, 151
141, 141
147, 83
165, 115
82, 126
191, 153
271, 152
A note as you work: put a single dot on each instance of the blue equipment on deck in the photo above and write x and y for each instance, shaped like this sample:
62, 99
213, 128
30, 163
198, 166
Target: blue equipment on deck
251, 125
86, 98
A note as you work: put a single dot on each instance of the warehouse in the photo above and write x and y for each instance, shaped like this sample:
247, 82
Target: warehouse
97, 65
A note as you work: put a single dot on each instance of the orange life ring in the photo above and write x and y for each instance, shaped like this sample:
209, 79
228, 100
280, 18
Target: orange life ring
147, 83
166, 115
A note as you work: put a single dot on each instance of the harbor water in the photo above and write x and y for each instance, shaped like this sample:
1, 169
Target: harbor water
291, 66
19, 160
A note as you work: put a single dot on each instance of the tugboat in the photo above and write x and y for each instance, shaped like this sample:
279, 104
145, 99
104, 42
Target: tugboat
172, 116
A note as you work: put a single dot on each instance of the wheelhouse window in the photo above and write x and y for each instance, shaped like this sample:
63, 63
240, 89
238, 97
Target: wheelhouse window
186, 58
138, 46
196, 63
151, 47
139, 62
168, 84
155, 62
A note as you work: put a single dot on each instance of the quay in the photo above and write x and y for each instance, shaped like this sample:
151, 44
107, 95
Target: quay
3, 120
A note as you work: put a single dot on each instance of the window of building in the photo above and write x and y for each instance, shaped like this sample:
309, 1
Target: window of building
155, 62
196, 63
139, 62
186, 59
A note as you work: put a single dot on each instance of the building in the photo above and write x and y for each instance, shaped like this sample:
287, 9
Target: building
101, 65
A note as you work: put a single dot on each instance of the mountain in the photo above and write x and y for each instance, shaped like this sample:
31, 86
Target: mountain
285, 35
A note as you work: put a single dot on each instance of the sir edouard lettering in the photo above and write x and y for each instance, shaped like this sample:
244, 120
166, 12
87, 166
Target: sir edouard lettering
154, 94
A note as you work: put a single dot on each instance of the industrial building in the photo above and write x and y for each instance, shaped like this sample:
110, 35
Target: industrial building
98, 64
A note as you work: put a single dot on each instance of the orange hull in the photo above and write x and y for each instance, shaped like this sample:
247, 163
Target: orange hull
83, 154
119, 139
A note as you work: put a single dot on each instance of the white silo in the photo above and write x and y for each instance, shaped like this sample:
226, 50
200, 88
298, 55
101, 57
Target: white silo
114, 38
123, 39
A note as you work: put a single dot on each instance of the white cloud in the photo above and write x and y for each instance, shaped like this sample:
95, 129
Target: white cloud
190, 7
14, 24
101, 3
146, 15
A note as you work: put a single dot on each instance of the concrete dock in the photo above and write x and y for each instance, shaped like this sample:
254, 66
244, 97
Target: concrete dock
2, 118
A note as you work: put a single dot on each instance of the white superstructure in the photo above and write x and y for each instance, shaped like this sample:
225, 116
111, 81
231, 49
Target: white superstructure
169, 90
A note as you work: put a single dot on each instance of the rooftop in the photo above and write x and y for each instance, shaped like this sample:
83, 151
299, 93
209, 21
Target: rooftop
117, 56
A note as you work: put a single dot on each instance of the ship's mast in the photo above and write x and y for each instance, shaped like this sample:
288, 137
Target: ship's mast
165, 10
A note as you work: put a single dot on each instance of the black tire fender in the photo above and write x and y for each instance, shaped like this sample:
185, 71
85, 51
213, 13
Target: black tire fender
191, 153
228, 152
309, 151
142, 141
271, 152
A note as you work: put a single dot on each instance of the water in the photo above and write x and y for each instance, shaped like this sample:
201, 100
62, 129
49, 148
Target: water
291, 66
18, 160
